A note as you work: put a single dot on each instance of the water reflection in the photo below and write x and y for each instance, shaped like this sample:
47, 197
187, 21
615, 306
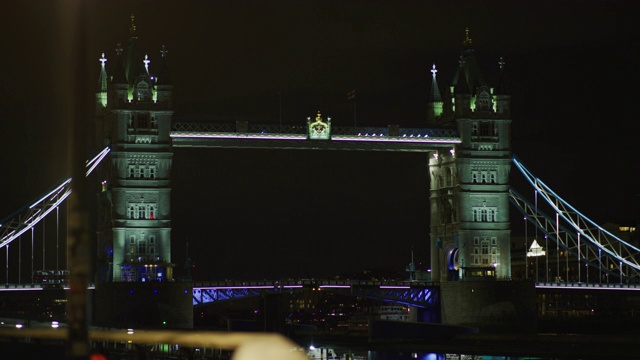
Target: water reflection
345, 354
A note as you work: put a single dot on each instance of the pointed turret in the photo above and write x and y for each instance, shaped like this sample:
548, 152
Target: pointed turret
103, 86
134, 66
164, 85
119, 79
461, 93
502, 97
469, 68
435, 103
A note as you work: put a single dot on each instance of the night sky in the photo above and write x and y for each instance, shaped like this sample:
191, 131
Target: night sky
268, 214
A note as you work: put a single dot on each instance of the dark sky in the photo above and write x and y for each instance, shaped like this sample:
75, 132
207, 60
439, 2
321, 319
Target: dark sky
258, 213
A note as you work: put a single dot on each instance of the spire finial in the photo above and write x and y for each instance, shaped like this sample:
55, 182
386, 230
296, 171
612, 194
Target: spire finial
501, 63
103, 60
433, 70
132, 29
164, 52
467, 40
119, 49
146, 62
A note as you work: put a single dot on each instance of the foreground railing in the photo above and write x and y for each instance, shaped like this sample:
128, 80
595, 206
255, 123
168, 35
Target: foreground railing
161, 344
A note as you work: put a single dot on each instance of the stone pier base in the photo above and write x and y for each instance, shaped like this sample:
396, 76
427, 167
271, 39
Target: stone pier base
490, 306
152, 305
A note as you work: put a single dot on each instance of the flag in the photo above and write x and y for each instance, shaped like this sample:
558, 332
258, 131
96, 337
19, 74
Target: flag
351, 95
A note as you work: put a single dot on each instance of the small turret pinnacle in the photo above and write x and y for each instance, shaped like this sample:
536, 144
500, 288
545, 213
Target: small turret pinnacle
132, 28
467, 40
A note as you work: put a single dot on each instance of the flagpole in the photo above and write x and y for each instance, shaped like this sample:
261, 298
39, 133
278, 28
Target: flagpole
354, 112
351, 95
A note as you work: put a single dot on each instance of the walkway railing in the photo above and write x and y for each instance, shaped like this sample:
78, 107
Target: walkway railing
166, 344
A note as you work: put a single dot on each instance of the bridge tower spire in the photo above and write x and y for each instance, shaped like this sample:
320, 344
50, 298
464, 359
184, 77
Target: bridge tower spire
470, 228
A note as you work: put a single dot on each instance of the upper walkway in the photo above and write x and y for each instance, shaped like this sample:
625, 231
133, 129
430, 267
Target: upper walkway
391, 138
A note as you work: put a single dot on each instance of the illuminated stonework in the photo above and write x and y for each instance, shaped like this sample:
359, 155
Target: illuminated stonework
470, 228
319, 129
134, 224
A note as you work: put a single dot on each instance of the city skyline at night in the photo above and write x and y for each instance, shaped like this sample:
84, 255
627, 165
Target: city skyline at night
326, 213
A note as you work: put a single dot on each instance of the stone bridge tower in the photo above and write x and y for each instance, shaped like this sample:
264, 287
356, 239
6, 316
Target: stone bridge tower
469, 198
133, 117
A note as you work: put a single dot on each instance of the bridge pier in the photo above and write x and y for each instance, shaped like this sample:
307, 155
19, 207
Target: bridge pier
490, 306
154, 305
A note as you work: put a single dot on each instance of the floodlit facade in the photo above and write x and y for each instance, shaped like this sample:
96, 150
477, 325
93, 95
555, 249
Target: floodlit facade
469, 198
133, 117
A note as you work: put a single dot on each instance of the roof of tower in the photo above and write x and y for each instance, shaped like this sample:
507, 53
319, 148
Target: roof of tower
119, 76
134, 66
502, 88
468, 67
164, 78
434, 95
460, 84
103, 80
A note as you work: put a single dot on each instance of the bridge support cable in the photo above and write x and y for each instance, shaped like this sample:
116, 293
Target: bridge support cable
599, 245
93, 163
565, 238
24, 219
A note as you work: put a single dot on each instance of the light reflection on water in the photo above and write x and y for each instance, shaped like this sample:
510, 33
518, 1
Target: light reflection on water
342, 354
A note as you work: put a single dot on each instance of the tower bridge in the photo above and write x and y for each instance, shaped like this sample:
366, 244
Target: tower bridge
466, 142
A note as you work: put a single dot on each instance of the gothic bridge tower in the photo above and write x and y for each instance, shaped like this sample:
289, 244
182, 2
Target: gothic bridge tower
469, 199
133, 117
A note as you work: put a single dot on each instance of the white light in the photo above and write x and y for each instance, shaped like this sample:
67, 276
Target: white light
129, 331
54, 324
18, 326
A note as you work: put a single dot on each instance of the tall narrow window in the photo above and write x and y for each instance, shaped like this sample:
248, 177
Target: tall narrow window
142, 248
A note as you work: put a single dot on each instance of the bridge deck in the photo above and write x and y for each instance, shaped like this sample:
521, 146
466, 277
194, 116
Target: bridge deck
295, 137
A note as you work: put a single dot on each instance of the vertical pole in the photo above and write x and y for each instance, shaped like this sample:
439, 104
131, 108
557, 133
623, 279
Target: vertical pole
599, 266
355, 122
7, 271
546, 257
579, 266
32, 261
57, 237
566, 264
526, 245
72, 90
20, 260
620, 254
280, 100
557, 246
44, 234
